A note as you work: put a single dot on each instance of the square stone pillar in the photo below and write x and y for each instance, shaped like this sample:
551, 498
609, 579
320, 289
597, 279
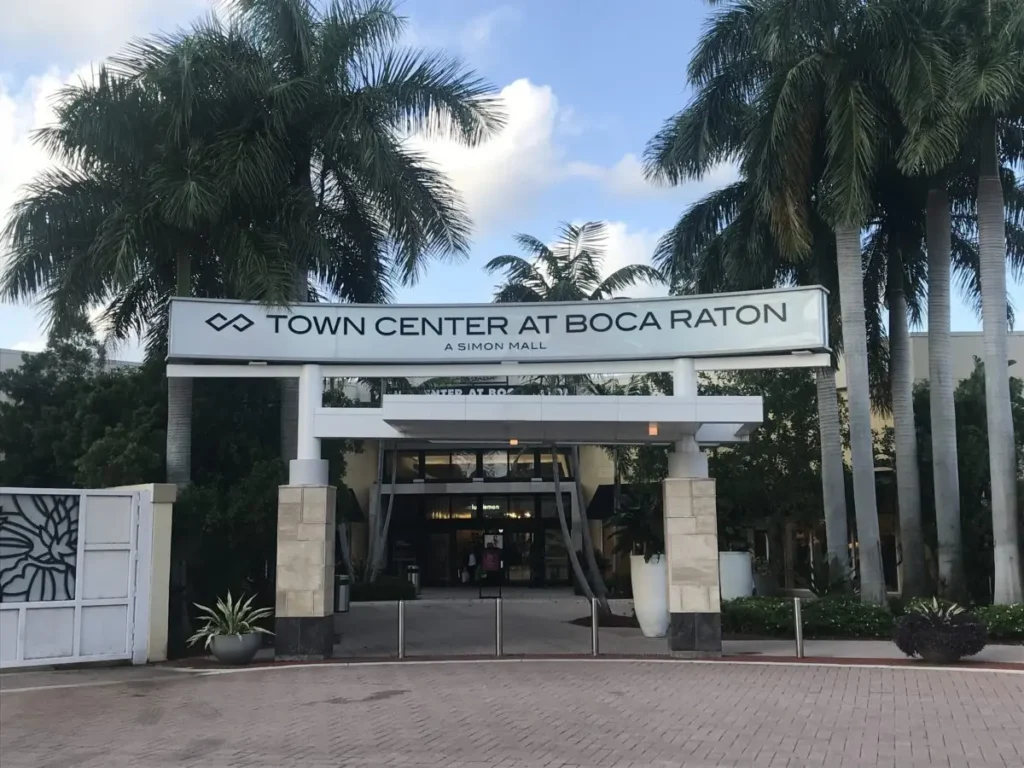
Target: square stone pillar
304, 618
691, 546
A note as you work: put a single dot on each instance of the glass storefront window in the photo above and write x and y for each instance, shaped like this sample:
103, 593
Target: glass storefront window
438, 508
495, 465
545, 466
464, 507
548, 508
463, 465
408, 466
520, 465
437, 466
521, 508
495, 507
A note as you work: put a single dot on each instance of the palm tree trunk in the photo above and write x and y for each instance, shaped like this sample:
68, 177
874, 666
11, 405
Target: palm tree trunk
851, 302
179, 401
574, 561
382, 541
945, 467
374, 524
346, 554
833, 475
596, 577
908, 473
1001, 447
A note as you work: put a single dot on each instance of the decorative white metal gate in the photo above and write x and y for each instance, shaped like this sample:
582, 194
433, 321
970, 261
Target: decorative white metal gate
74, 575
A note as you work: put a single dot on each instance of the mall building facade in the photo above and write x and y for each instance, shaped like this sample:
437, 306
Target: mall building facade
447, 498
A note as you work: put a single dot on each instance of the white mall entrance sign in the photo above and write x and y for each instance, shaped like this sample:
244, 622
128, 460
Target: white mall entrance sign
722, 325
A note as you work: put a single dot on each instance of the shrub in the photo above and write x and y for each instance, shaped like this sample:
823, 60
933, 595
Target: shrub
939, 632
385, 588
1004, 622
822, 618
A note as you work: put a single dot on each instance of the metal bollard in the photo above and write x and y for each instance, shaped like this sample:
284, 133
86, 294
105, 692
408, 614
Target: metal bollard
594, 647
798, 622
401, 629
498, 638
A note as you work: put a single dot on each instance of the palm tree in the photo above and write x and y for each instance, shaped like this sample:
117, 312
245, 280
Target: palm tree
569, 270
979, 113
136, 215
805, 95
724, 243
327, 98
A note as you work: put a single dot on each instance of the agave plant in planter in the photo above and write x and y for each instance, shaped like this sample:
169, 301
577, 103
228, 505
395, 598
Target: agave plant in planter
231, 632
940, 633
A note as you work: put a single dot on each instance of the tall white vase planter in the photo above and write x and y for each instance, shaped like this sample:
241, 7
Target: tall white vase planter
650, 593
736, 574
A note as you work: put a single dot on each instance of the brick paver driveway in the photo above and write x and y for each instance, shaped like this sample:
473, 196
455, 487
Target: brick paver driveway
581, 713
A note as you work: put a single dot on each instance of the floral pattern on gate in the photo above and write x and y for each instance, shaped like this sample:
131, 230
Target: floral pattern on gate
38, 547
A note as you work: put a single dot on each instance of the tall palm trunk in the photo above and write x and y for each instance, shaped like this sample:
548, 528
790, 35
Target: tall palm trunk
945, 468
1001, 448
833, 480
908, 473
179, 400
596, 577
574, 561
851, 303
381, 528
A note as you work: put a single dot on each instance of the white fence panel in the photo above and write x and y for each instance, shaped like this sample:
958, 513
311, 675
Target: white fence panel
70, 574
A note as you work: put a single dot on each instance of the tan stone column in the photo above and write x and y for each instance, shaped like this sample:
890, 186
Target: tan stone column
691, 547
304, 619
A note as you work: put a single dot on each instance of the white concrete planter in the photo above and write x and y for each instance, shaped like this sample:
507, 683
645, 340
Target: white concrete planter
650, 593
736, 574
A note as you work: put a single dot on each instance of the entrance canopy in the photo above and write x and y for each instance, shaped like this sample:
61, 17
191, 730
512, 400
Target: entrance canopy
545, 419
781, 328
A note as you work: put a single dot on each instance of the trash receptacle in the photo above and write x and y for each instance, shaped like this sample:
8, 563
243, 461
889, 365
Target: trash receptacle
413, 572
342, 589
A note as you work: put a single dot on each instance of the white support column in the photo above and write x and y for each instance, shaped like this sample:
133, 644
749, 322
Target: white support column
686, 460
691, 540
308, 468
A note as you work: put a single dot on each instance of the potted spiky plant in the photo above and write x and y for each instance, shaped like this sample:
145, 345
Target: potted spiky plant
640, 534
231, 632
940, 633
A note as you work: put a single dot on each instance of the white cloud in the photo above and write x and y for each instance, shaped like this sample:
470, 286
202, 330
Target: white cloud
624, 247
500, 177
86, 29
479, 31
626, 179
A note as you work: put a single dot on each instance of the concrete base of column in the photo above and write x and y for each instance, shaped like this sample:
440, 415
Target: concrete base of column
303, 638
307, 472
695, 635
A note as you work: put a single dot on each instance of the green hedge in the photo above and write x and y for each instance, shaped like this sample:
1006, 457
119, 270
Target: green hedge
828, 618
385, 588
1005, 622
845, 618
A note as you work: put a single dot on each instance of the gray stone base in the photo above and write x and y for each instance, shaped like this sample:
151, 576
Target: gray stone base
304, 638
695, 635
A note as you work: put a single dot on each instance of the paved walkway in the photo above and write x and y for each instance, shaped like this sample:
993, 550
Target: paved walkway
461, 627
524, 715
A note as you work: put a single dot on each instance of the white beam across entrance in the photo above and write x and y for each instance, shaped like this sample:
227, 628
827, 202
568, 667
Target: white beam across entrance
258, 370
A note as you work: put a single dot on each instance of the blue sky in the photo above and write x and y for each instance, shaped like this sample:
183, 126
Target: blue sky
585, 85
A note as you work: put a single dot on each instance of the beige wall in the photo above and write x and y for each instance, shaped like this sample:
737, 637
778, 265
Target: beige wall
966, 346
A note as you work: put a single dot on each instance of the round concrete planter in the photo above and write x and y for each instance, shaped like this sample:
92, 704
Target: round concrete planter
650, 593
236, 649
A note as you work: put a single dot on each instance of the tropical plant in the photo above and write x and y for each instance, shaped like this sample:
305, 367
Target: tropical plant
229, 617
569, 270
976, 114
344, 98
939, 632
806, 95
